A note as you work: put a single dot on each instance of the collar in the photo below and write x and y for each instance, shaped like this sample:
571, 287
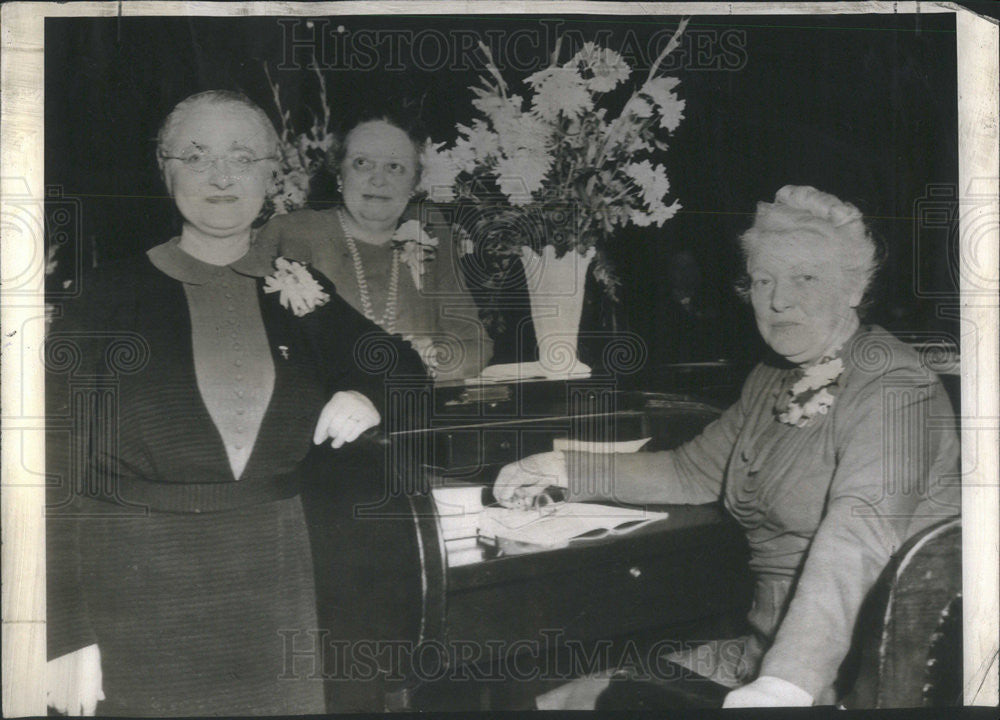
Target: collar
174, 262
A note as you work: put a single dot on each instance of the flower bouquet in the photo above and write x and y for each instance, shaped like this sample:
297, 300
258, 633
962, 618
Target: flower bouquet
302, 153
548, 176
560, 167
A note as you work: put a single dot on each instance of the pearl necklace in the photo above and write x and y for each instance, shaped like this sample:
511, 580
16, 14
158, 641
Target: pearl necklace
388, 319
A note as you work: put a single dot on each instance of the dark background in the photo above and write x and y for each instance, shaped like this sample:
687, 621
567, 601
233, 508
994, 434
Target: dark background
860, 106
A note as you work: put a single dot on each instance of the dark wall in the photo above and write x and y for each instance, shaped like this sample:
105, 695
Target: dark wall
860, 106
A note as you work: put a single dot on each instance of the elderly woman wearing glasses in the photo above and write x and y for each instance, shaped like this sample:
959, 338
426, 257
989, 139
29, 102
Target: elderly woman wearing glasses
828, 460
179, 566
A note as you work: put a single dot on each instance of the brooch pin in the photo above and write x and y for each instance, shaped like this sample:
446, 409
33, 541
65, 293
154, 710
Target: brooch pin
283, 349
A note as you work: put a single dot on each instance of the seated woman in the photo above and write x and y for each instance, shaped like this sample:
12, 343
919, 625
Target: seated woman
828, 460
370, 247
184, 388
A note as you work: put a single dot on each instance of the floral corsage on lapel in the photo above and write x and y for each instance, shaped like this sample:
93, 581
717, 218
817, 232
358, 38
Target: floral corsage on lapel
426, 348
416, 246
810, 396
300, 291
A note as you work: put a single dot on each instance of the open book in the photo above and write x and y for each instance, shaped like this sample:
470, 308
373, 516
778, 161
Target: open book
558, 524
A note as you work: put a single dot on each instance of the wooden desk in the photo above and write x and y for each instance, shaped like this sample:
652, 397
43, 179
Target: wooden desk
526, 623
425, 636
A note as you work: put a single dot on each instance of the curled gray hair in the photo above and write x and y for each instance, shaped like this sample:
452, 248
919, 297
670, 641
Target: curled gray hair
215, 97
801, 209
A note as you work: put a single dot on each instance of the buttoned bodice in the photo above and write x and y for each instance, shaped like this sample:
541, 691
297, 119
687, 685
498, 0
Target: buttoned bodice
232, 359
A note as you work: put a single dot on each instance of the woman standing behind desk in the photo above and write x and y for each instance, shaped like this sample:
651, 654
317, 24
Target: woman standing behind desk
177, 551
828, 460
406, 290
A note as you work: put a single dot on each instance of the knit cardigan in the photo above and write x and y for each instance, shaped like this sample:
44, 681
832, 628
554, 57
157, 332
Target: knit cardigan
126, 423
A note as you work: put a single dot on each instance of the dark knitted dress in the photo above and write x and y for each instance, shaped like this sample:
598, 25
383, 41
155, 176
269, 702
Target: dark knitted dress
195, 584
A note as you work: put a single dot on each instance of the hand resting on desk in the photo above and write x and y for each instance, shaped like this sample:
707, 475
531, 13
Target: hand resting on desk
520, 482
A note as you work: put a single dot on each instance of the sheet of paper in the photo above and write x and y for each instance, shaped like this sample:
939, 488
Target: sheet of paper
508, 372
556, 525
620, 446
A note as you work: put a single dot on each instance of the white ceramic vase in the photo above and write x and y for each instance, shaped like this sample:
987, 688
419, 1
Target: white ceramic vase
556, 286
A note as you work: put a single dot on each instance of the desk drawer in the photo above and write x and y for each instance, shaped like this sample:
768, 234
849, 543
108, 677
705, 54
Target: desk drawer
586, 593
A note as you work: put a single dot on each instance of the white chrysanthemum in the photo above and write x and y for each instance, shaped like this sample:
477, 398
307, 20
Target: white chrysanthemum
416, 246
512, 129
618, 215
521, 175
795, 415
413, 231
625, 133
497, 107
637, 144
529, 133
559, 90
657, 214
652, 179
297, 289
640, 107
820, 403
437, 173
427, 349
639, 217
671, 108
602, 67
825, 373
475, 145
818, 376
502, 112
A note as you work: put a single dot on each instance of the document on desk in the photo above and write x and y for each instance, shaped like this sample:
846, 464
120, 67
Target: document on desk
600, 446
559, 524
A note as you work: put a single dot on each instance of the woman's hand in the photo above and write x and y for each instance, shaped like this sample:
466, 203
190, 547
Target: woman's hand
519, 482
768, 691
347, 415
74, 682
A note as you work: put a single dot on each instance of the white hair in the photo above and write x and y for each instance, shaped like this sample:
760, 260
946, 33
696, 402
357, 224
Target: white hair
216, 97
810, 215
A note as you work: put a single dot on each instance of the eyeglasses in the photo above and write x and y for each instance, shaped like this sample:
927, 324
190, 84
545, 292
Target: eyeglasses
199, 162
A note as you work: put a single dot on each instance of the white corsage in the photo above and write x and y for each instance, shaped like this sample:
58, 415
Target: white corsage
416, 246
300, 292
426, 349
810, 396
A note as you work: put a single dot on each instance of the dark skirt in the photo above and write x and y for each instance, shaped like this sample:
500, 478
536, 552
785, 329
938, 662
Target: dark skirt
198, 614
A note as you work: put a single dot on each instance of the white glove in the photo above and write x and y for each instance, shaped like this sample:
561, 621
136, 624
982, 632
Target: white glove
519, 482
768, 691
344, 418
74, 682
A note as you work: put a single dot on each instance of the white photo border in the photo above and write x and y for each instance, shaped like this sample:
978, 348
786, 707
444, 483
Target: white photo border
21, 201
